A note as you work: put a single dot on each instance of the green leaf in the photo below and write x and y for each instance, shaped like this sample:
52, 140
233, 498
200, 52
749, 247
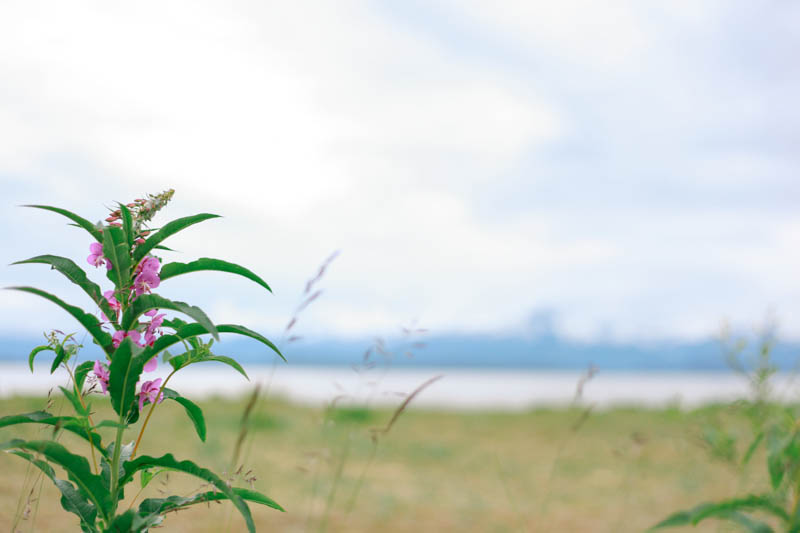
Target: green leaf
123, 523
88, 321
116, 250
105, 466
77, 467
124, 371
36, 351
71, 500
186, 331
110, 424
80, 221
133, 414
162, 505
132, 522
228, 361
75, 401
67, 423
747, 503
168, 230
146, 302
728, 510
170, 270
752, 448
127, 224
61, 357
76, 275
750, 525
81, 371
145, 478
775, 464
188, 467
194, 413
681, 518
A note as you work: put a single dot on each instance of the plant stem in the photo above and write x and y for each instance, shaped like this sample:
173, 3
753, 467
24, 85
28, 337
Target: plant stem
88, 416
115, 462
150, 413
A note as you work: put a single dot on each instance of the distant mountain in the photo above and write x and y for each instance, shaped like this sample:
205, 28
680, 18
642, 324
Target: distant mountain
476, 351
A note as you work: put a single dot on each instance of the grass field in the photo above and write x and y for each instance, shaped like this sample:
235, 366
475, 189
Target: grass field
540, 471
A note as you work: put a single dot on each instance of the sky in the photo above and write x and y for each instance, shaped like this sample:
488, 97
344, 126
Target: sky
622, 171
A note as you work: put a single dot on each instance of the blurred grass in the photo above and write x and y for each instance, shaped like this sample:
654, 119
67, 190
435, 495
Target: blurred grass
623, 469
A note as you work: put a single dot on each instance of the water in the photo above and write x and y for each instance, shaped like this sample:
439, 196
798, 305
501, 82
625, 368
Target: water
457, 389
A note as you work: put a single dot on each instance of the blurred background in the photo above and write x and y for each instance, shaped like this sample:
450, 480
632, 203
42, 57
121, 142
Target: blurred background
508, 193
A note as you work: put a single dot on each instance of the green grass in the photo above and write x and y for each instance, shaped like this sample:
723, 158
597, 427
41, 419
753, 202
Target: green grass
621, 470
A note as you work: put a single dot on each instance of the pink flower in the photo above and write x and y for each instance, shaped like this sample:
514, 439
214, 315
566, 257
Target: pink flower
153, 329
150, 391
112, 303
151, 365
148, 263
116, 339
145, 282
96, 256
101, 371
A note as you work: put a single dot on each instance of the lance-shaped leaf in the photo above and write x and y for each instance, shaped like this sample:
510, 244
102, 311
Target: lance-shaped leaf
153, 301
67, 423
127, 224
125, 452
170, 270
36, 351
61, 357
71, 500
183, 360
132, 522
228, 361
80, 221
157, 506
81, 371
88, 321
80, 408
168, 230
76, 275
727, 510
194, 413
186, 331
188, 467
124, 371
77, 468
116, 250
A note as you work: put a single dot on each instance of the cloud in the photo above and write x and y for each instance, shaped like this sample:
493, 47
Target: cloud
627, 167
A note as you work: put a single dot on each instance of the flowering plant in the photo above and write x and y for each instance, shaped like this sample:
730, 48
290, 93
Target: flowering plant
130, 331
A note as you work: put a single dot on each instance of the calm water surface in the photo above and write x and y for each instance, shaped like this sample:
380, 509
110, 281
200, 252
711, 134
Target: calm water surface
457, 389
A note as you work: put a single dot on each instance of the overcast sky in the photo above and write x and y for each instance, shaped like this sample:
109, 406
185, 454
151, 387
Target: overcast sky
627, 169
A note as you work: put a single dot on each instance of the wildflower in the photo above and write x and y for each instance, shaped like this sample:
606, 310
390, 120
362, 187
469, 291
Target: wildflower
148, 263
116, 339
112, 303
101, 371
146, 275
96, 257
153, 329
145, 282
150, 392
151, 365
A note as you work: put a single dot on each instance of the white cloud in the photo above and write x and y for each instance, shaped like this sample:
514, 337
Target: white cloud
579, 175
